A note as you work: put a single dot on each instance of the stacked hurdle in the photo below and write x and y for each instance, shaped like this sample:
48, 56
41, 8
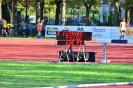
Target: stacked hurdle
67, 39
106, 41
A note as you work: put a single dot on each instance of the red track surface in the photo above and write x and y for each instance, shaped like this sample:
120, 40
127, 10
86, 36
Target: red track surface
47, 50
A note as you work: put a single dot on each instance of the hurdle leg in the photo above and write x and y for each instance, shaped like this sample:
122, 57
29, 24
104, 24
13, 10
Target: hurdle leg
104, 50
104, 54
78, 54
85, 57
60, 57
80, 51
63, 50
68, 52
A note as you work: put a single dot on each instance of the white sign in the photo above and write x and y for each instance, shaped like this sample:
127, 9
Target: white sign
51, 30
98, 32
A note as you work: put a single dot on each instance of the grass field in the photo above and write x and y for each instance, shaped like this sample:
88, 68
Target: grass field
38, 74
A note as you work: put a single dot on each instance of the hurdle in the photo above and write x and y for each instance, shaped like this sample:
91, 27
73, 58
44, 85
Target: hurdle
106, 41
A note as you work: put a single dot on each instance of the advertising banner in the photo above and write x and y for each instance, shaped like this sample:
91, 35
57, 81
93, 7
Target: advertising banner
114, 32
51, 30
98, 32
129, 33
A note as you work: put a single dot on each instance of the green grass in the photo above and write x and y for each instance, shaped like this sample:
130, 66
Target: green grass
38, 74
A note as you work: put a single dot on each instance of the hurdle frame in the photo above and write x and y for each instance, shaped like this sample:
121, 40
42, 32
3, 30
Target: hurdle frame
104, 49
104, 54
105, 41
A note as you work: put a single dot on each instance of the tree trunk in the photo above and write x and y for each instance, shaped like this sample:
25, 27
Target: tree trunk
116, 14
42, 9
27, 14
87, 14
38, 14
58, 4
15, 16
11, 12
10, 6
0, 10
11, 15
0, 16
63, 12
128, 16
10, 9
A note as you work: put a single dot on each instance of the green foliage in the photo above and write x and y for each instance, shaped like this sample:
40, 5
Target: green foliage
1, 1
104, 16
111, 19
123, 3
5, 13
128, 3
94, 3
107, 20
75, 3
113, 1
94, 16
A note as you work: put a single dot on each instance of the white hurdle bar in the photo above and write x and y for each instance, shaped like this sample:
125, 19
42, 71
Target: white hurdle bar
105, 41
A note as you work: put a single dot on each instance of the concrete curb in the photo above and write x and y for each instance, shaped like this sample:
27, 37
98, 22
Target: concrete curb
92, 85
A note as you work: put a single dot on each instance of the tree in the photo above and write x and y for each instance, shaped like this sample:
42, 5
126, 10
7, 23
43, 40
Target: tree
12, 8
127, 4
27, 4
1, 9
14, 15
42, 9
115, 4
39, 10
58, 6
88, 5
0, 14
62, 4
63, 12
38, 14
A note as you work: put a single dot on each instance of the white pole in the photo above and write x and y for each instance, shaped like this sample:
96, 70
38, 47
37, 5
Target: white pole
104, 51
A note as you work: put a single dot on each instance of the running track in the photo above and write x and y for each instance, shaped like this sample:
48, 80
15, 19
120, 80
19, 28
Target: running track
47, 51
